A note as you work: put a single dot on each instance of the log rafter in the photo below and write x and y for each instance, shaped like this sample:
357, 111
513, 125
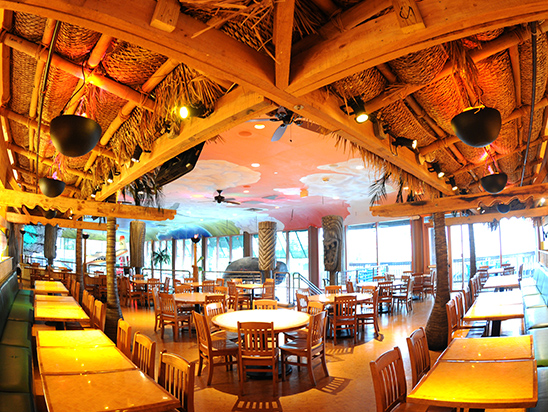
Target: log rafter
25, 219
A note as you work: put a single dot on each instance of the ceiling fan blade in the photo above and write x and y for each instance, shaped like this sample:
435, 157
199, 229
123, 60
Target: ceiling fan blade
231, 202
279, 133
264, 120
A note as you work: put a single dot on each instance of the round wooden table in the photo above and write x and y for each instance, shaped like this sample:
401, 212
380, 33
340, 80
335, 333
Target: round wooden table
285, 320
195, 298
330, 299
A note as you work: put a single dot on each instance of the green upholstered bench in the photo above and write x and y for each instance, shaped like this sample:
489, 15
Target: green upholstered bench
542, 404
16, 401
540, 342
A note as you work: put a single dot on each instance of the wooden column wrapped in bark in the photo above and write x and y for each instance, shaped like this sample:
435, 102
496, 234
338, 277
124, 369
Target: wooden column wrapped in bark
332, 245
79, 262
472, 240
436, 327
50, 243
267, 247
114, 312
137, 233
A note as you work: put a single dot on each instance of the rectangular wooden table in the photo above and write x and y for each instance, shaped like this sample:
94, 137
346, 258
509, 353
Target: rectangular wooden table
489, 349
62, 310
504, 282
494, 307
47, 287
72, 338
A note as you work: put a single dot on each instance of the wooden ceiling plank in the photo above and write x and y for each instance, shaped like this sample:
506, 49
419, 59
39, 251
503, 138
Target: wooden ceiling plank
488, 217
381, 39
68, 223
463, 202
230, 110
5, 85
165, 15
408, 15
284, 12
63, 204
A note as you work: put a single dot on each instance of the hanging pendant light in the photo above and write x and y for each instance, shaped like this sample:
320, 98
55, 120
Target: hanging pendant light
51, 187
50, 214
494, 183
74, 135
477, 126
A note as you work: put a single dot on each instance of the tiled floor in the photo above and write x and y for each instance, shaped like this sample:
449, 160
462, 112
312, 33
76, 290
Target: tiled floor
348, 388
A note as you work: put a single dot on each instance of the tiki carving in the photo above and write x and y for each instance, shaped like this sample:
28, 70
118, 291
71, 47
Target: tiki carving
332, 245
267, 246
137, 233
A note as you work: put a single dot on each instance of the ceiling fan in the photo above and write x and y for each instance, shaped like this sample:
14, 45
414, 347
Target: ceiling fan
221, 199
287, 117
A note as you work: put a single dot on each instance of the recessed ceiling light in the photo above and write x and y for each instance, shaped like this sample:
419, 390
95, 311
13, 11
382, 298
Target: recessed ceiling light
360, 167
276, 207
259, 126
197, 196
201, 220
336, 197
275, 173
246, 191
245, 133
255, 165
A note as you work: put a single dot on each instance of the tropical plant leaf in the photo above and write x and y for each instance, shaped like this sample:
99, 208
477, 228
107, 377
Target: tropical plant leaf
377, 190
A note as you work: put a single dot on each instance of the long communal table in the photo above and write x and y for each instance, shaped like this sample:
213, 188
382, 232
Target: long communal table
58, 309
83, 371
50, 287
504, 282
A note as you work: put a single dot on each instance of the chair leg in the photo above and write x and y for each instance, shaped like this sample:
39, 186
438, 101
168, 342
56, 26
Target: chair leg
310, 371
324, 362
200, 364
275, 376
210, 372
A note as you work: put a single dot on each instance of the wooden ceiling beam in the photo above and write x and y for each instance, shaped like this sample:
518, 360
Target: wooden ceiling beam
68, 223
463, 202
380, 40
488, 217
284, 12
12, 198
230, 110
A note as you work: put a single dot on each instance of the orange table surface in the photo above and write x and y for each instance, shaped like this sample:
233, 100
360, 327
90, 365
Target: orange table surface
72, 338
284, 319
496, 348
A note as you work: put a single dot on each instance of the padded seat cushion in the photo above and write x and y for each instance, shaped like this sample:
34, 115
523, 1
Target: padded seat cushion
542, 404
20, 402
22, 312
23, 299
16, 370
540, 344
536, 318
529, 290
26, 292
524, 282
534, 301
17, 333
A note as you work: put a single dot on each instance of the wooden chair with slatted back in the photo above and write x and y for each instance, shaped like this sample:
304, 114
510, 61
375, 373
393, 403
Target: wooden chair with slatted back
176, 375
221, 289
208, 286
99, 316
257, 349
349, 286
166, 284
209, 349
85, 301
405, 296
333, 289
143, 354
310, 348
157, 309
367, 313
453, 330
314, 307
344, 316
151, 284
302, 301
123, 337
188, 280
216, 299
236, 299
418, 355
385, 294
184, 288
268, 304
170, 315
269, 289
219, 282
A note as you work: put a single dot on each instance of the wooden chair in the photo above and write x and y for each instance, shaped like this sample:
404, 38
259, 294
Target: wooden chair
221, 289
418, 355
211, 310
143, 354
428, 283
133, 295
257, 349
176, 375
311, 348
333, 290
151, 284
453, 330
123, 337
236, 299
171, 316
165, 287
184, 288
368, 312
459, 307
85, 302
188, 280
344, 316
349, 286
302, 301
379, 278
220, 282
390, 385
208, 286
386, 291
269, 289
157, 309
418, 284
99, 317
270, 304
209, 349
314, 307
216, 298
405, 296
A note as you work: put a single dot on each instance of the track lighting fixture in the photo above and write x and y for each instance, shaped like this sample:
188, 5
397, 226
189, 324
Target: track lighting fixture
192, 111
435, 167
137, 154
110, 177
358, 109
453, 184
405, 142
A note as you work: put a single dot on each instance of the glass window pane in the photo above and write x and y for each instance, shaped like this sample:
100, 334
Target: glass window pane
180, 254
519, 243
281, 245
395, 246
255, 245
361, 246
211, 263
487, 245
298, 248
237, 247
224, 253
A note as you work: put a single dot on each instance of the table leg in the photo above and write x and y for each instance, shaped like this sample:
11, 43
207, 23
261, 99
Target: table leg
495, 328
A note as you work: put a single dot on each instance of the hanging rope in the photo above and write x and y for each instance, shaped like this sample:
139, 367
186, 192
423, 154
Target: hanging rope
533, 93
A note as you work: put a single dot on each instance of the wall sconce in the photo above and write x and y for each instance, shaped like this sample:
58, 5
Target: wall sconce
453, 184
196, 238
358, 109
405, 142
435, 167
137, 154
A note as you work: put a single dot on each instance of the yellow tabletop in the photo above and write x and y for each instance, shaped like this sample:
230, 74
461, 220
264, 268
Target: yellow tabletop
48, 286
330, 299
82, 359
504, 384
59, 311
194, 297
54, 298
284, 319
249, 285
505, 348
508, 281
494, 306
509, 297
129, 390
72, 338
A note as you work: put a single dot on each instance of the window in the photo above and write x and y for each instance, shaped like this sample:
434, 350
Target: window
237, 248
361, 251
281, 246
211, 264
298, 252
394, 243
224, 252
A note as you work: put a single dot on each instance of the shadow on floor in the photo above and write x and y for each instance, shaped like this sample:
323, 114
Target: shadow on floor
243, 405
333, 386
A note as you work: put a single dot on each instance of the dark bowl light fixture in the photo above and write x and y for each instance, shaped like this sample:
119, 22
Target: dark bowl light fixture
51, 187
502, 208
494, 183
74, 135
477, 126
196, 238
50, 214
405, 142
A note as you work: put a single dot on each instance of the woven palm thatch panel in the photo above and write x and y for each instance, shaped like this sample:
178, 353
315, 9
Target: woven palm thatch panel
130, 64
507, 141
21, 85
537, 125
308, 19
510, 164
496, 81
29, 26
59, 90
475, 41
472, 154
19, 134
464, 180
526, 68
77, 162
128, 135
420, 67
101, 169
442, 100
366, 84
401, 122
101, 105
74, 42
447, 162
